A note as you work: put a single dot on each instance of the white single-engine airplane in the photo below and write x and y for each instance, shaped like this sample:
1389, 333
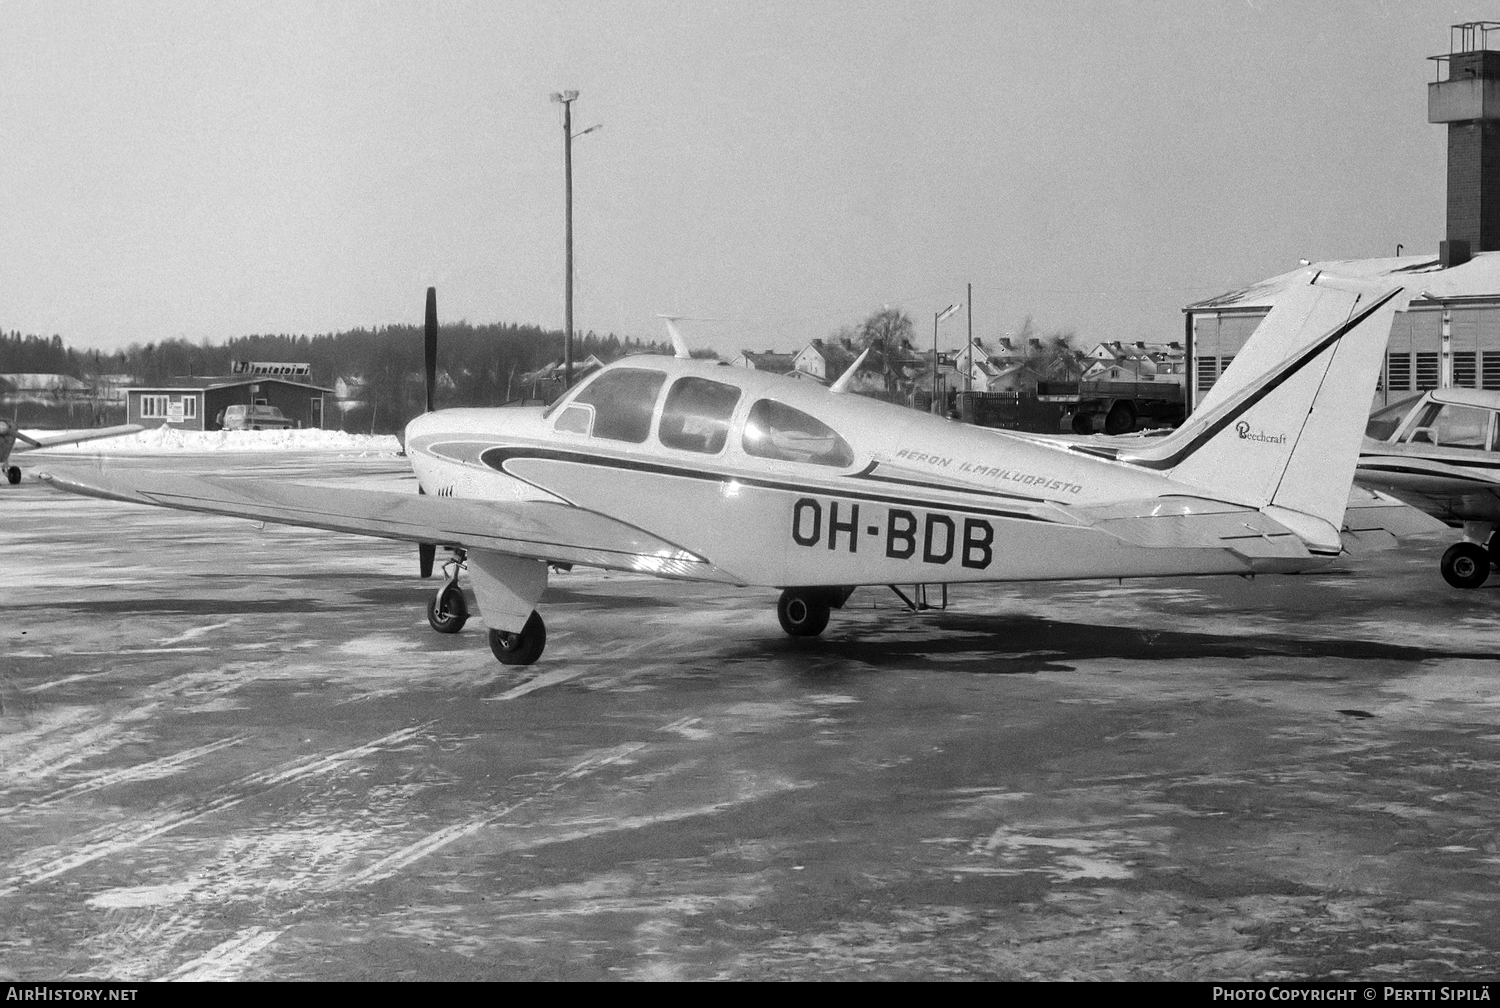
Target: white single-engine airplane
1440, 452
10, 434
694, 470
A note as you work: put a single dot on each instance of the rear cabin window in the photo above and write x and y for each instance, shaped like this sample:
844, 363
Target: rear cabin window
776, 431
696, 415
619, 405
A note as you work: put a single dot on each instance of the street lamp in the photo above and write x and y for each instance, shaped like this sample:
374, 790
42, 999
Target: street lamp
936, 318
566, 99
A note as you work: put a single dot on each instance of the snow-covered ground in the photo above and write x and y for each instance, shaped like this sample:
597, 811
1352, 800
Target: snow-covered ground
162, 440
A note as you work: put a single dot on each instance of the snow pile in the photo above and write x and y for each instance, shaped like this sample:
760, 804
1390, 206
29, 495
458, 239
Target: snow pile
165, 440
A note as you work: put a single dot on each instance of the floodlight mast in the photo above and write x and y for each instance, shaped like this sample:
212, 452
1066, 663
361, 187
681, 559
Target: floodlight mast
936, 318
566, 99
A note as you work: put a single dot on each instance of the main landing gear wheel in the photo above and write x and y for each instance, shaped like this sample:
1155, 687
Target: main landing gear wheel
13, 474
1466, 565
520, 648
1493, 549
447, 612
802, 612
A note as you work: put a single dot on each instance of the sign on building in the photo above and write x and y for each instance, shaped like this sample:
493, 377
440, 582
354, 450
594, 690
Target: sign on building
175, 412
270, 368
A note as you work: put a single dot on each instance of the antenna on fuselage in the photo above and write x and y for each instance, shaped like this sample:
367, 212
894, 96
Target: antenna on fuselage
845, 379
679, 345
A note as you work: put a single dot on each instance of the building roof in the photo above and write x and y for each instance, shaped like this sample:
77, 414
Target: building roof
1479, 278
190, 384
769, 360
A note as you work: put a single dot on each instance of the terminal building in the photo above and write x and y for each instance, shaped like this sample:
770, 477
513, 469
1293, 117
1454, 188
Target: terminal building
1451, 335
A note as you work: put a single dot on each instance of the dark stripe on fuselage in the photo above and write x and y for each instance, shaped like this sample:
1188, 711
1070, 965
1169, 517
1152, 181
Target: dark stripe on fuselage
1456, 463
1288, 370
496, 458
1410, 471
868, 473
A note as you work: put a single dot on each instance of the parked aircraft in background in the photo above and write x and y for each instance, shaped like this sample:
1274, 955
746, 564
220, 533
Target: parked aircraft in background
10, 434
1440, 452
687, 469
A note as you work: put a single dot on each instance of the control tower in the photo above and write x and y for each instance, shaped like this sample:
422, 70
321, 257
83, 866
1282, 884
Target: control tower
1469, 102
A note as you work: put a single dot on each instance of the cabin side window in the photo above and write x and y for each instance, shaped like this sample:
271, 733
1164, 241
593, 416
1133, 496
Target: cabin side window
777, 431
617, 405
696, 415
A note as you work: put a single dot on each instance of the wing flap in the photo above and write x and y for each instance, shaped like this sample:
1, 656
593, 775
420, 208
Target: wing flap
554, 532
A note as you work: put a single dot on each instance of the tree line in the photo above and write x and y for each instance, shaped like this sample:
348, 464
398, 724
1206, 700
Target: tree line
480, 365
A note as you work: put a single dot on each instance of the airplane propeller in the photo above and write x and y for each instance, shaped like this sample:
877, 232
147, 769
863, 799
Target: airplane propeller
427, 552
430, 361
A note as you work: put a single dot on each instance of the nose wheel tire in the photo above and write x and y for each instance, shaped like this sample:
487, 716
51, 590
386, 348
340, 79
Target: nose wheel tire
447, 612
1466, 565
13, 474
520, 648
802, 613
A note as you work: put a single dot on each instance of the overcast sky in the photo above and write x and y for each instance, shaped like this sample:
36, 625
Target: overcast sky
209, 170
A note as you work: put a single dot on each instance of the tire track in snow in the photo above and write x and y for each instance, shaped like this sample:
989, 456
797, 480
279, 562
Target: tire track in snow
113, 838
226, 960
151, 770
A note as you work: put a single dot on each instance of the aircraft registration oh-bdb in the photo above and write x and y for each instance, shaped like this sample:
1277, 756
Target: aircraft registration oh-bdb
11, 436
1439, 451
688, 469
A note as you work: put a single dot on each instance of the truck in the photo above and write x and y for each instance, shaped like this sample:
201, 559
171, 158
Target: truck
253, 418
1115, 407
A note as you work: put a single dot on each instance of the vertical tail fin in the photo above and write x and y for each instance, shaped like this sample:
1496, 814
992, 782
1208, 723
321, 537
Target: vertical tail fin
1287, 441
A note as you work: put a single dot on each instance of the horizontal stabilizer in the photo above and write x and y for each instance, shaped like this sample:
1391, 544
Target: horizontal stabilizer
542, 530
1375, 521
1193, 523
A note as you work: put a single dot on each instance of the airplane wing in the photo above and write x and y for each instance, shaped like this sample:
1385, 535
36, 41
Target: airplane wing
558, 533
74, 437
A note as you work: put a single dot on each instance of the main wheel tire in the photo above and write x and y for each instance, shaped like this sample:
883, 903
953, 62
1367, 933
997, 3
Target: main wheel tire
1083, 423
802, 612
520, 648
447, 612
13, 474
1493, 549
1466, 565
1121, 419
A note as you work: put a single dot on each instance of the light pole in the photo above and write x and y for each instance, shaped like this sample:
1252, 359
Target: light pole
936, 318
566, 99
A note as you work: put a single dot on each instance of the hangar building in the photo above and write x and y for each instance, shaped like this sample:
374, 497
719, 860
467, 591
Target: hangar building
1451, 335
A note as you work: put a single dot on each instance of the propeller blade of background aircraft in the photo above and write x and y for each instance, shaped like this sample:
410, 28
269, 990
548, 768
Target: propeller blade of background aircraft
430, 356
427, 552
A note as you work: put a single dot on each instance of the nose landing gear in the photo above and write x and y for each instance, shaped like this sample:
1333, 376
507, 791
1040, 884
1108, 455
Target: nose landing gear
447, 612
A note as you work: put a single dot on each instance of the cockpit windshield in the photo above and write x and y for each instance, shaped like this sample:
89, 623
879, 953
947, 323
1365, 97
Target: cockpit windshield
617, 405
1383, 422
777, 431
1448, 425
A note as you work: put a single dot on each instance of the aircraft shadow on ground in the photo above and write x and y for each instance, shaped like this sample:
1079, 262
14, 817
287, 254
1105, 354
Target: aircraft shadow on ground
1026, 644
